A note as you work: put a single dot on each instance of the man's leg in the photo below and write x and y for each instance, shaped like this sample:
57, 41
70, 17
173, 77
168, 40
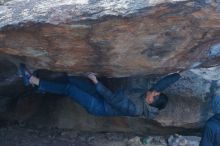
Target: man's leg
93, 105
84, 84
120, 105
117, 100
70, 90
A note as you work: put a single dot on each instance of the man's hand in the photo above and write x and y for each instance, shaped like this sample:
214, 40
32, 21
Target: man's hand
92, 77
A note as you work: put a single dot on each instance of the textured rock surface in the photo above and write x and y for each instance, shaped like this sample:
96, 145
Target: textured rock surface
123, 38
118, 39
60, 11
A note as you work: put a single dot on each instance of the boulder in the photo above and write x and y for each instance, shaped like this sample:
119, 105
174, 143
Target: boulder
115, 39
130, 42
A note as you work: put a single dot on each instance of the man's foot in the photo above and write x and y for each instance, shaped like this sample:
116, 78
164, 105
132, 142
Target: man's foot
26, 75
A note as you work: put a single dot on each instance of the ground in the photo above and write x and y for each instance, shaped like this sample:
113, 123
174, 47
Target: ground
18, 135
23, 136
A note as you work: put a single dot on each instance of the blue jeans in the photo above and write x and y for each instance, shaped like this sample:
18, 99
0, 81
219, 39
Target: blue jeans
96, 99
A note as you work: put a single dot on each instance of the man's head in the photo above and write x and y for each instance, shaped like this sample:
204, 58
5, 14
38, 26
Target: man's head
156, 99
216, 104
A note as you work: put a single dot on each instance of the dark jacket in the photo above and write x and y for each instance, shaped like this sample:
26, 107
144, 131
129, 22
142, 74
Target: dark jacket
133, 102
211, 133
149, 111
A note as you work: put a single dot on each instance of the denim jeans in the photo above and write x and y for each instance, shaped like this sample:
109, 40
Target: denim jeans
96, 99
211, 132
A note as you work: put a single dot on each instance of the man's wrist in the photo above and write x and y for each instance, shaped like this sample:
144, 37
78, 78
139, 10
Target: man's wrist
95, 81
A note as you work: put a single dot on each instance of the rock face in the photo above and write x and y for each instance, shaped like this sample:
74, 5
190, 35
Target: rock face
122, 38
129, 39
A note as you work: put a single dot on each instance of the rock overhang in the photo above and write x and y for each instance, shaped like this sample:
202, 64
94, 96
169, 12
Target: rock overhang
163, 38
118, 43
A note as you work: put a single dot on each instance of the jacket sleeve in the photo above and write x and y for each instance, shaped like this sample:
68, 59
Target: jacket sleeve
165, 82
108, 95
207, 137
103, 91
117, 100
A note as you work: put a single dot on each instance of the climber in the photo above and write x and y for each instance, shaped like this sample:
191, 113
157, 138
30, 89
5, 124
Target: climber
99, 100
211, 133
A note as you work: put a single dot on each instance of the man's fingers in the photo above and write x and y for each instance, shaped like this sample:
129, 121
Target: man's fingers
90, 74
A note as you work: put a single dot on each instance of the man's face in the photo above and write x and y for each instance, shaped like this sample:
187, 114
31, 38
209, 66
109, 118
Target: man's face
150, 96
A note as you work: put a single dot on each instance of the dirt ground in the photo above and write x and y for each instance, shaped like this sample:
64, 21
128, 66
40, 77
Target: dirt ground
21, 136
17, 135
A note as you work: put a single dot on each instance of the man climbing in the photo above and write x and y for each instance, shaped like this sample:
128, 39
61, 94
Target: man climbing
99, 100
211, 133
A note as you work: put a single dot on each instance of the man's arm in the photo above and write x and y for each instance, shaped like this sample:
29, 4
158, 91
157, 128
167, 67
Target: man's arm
105, 92
207, 137
102, 90
165, 82
117, 100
